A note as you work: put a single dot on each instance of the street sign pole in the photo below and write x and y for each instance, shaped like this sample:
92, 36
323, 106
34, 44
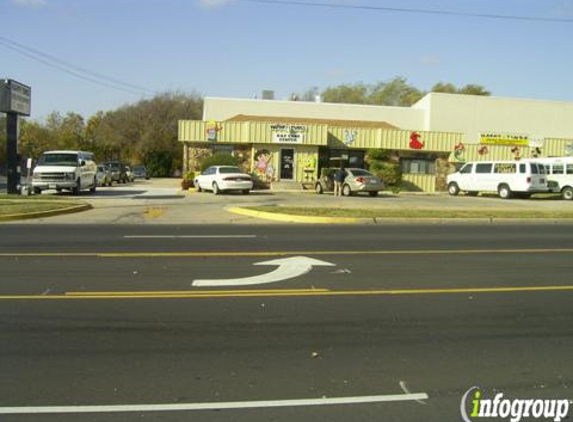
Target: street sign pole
12, 153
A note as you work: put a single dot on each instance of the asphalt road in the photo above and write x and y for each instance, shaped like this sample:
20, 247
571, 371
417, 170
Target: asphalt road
109, 315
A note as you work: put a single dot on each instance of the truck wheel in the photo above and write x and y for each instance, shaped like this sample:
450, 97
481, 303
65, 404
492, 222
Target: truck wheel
504, 192
77, 189
567, 193
453, 189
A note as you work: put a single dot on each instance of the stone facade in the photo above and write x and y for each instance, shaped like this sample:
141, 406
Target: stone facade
195, 155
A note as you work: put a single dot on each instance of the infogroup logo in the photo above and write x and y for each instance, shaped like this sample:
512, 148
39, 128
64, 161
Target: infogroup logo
513, 410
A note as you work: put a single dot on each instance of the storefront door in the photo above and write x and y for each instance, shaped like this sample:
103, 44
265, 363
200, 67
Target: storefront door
287, 164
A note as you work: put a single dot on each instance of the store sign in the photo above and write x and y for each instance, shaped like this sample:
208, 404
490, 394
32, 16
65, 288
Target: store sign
493, 138
288, 134
15, 97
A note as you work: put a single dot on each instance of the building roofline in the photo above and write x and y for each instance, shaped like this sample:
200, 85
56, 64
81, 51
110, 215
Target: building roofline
311, 103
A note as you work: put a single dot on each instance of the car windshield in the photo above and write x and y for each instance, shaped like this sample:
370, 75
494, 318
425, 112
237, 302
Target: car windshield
139, 169
58, 159
227, 170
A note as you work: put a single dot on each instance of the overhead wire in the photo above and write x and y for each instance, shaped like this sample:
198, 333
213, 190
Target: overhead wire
76, 71
408, 10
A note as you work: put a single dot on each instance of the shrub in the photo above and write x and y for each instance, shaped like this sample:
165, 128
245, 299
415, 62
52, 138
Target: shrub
219, 159
389, 173
378, 154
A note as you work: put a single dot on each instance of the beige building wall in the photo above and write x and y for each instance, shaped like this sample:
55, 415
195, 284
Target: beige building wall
471, 115
220, 109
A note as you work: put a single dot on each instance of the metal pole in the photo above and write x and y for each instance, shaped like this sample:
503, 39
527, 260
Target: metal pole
12, 153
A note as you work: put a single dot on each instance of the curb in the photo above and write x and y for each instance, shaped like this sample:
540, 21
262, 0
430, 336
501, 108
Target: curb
290, 218
41, 214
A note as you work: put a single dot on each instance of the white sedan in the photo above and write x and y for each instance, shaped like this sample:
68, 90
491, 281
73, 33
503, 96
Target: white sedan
224, 178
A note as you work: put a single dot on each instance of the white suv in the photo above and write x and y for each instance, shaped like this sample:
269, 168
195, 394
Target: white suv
504, 177
71, 170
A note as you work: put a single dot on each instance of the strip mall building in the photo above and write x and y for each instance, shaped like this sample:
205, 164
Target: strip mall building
293, 140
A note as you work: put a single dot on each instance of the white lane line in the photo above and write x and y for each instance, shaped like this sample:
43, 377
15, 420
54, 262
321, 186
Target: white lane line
224, 236
24, 410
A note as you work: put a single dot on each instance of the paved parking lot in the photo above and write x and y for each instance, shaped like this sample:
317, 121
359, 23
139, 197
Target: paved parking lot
161, 201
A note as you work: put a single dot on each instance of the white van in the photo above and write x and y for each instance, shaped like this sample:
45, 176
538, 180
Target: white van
507, 178
71, 170
559, 174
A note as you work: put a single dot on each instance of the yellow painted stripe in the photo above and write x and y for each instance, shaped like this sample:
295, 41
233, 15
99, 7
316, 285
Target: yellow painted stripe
194, 292
276, 253
279, 293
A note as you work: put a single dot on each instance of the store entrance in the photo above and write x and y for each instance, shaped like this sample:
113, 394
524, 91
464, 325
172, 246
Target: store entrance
287, 164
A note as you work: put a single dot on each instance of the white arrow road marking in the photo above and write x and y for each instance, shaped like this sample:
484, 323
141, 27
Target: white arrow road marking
175, 407
287, 268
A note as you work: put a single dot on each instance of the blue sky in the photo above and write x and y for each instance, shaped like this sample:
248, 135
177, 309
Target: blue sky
225, 48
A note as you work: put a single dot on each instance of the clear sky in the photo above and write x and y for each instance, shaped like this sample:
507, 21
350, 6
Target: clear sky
229, 48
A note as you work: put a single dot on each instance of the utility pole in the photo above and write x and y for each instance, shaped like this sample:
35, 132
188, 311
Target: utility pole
15, 100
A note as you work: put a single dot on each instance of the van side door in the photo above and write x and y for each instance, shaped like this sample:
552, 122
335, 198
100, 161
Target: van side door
483, 178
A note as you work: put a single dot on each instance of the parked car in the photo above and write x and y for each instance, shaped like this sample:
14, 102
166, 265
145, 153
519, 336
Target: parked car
70, 170
140, 172
559, 175
224, 178
356, 180
118, 171
103, 175
507, 178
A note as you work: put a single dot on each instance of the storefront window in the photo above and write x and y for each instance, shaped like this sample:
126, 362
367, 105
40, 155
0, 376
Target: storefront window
222, 149
418, 165
352, 158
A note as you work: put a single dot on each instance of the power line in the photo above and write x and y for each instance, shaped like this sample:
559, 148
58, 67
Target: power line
408, 10
74, 70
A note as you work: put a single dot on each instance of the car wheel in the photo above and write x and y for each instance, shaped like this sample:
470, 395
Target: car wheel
37, 191
318, 189
94, 186
567, 193
453, 189
77, 188
216, 189
504, 192
197, 186
59, 190
373, 193
246, 191
346, 191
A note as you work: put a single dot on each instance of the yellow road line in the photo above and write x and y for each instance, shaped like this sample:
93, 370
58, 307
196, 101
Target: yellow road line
275, 253
285, 293
194, 292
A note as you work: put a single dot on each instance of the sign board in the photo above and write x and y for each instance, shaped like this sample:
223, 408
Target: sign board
15, 97
494, 138
288, 134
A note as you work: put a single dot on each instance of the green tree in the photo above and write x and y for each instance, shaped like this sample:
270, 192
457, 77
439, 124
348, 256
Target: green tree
396, 92
472, 89
346, 93
444, 87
